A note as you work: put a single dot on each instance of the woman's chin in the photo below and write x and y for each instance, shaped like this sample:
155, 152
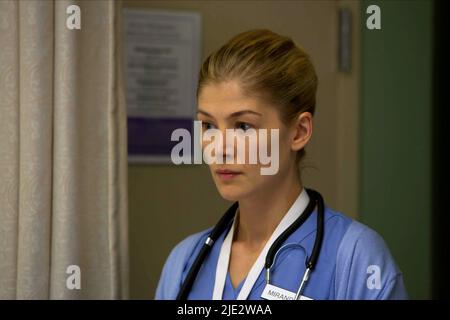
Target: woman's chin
231, 193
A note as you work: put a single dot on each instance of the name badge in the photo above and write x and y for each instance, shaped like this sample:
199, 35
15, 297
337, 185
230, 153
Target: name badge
272, 292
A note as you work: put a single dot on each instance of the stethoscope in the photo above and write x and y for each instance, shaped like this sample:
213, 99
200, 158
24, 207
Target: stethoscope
226, 220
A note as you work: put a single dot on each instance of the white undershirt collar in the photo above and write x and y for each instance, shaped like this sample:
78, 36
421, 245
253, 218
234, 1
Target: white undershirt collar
293, 213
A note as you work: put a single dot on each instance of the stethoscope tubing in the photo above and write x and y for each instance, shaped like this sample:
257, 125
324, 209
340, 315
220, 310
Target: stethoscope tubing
227, 218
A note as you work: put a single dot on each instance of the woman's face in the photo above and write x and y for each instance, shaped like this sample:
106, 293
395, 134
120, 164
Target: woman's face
224, 106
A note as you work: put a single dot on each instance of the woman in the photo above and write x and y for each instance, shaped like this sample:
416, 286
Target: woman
262, 80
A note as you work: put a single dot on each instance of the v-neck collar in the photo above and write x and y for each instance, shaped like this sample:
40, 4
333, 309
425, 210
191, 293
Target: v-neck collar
252, 277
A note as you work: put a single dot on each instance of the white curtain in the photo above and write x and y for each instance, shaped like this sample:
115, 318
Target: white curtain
63, 198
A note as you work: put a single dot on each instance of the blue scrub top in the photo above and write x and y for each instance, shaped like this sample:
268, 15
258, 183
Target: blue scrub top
354, 263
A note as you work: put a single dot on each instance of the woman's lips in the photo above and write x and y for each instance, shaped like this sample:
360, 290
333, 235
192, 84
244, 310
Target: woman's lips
227, 175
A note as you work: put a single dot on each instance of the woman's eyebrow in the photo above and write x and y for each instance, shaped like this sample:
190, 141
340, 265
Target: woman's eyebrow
232, 115
242, 112
204, 112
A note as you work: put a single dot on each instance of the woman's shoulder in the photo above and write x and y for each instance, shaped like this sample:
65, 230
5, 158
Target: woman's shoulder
352, 231
356, 237
186, 248
175, 265
191, 241
365, 268
354, 234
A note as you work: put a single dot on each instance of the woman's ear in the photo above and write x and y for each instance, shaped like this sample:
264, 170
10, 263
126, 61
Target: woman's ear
302, 128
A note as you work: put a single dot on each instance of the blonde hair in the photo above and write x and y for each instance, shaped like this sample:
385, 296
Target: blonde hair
267, 65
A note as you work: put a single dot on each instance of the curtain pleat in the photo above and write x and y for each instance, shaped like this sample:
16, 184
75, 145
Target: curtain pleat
63, 176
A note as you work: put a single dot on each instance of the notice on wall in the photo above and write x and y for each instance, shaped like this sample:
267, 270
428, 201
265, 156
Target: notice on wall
162, 61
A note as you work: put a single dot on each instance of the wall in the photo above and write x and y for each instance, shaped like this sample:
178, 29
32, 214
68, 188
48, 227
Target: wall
396, 135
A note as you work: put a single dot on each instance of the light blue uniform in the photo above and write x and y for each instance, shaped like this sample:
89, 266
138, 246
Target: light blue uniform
354, 263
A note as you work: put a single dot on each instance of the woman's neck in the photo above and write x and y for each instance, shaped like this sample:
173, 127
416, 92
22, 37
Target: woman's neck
260, 215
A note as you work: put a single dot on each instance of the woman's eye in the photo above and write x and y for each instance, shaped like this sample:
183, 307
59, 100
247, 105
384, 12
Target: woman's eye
207, 125
244, 126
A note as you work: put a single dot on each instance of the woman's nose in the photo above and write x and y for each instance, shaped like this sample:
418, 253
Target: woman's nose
226, 148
